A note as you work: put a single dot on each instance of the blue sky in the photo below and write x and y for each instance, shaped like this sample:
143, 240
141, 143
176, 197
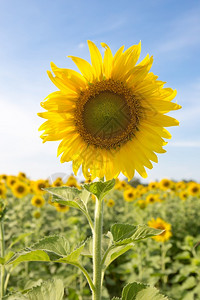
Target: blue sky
34, 33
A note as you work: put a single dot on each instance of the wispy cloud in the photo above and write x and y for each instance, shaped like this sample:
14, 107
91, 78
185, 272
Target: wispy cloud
193, 144
183, 32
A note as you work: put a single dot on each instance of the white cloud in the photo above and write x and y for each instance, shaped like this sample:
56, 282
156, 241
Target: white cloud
183, 32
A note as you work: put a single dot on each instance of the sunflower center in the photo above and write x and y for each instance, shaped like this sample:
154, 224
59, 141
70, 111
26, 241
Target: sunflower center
38, 201
107, 114
20, 189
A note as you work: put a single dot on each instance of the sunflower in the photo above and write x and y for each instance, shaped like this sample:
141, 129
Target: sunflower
36, 214
20, 189
39, 185
181, 185
161, 224
110, 118
22, 175
129, 195
37, 201
71, 181
194, 189
11, 180
153, 185
165, 184
152, 198
58, 182
183, 195
141, 203
60, 207
2, 191
121, 185
110, 202
3, 177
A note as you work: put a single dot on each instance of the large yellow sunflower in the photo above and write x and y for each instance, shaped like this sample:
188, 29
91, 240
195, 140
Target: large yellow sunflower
161, 224
110, 118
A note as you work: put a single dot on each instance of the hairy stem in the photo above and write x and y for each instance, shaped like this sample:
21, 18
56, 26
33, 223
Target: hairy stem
97, 237
2, 255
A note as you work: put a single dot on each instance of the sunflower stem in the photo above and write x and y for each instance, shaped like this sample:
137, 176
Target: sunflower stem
97, 240
2, 255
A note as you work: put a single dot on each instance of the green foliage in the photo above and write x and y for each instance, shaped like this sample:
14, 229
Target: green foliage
70, 196
100, 189
52, 248
125, 233
49, 290
139, 291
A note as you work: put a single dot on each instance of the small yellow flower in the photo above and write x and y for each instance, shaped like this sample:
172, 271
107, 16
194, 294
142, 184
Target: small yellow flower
22, 175
161, 224
20, 189
121, 185
58, 182
194, 189
11, 180
72, 182
141, 203
152, 198
181, 185
3, 177
37, 201
61, 208
129, 195
36, 214
2, 191
183, 195
153, 185
110, 203
165, 184
39, 185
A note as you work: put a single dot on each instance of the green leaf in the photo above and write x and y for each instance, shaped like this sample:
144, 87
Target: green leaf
125, 233
52, 248
56, 244
150, 293
15, 296
49, 290
37, 255
189, 283
73, 256
1, 260
100, 189
70, 196
19, 238
130, 290
140, 291
6, 258
115, 252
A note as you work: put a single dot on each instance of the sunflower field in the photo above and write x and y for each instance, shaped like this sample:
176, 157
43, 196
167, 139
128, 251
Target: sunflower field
169, 261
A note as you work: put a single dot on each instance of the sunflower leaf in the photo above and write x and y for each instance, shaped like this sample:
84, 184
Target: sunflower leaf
70, 196
100, 189
125, 233
52, 248
73, 256
140, 291
49, 290
115, 252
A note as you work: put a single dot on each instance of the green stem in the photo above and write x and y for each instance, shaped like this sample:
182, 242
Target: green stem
2, 255
86, 275
89, 220
97, 236
163, 254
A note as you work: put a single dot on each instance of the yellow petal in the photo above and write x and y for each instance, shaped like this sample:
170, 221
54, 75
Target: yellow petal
96, 59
